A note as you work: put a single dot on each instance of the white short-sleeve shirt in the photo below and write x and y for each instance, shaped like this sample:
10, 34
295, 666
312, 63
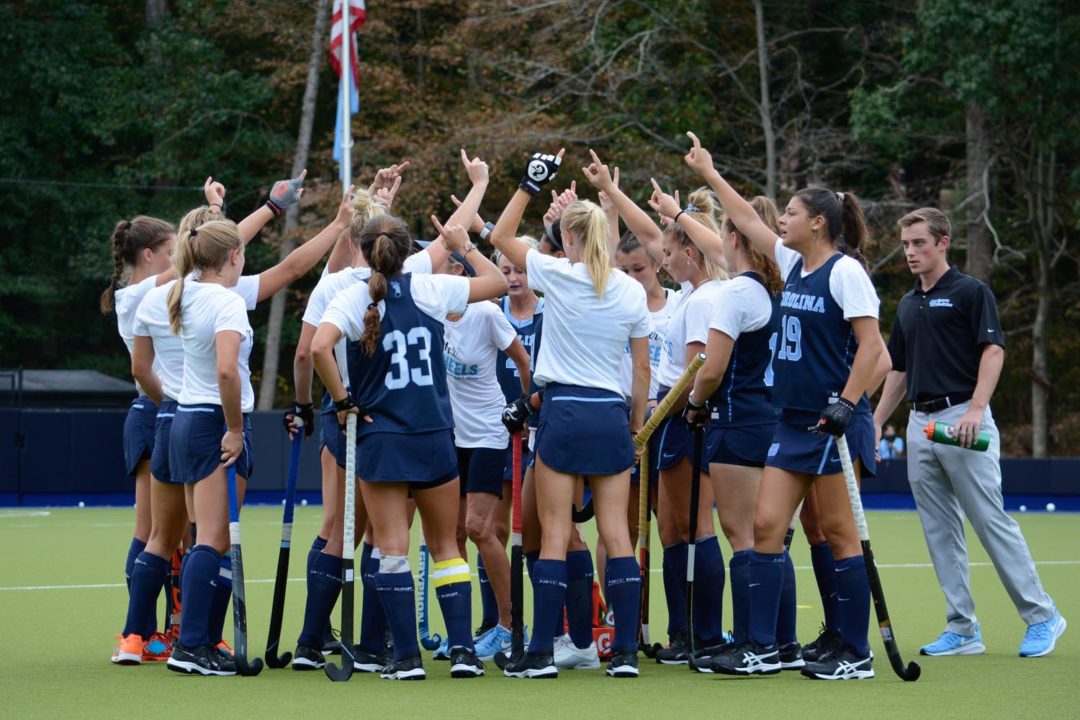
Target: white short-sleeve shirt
126, 301
849, 282
585, 335
471, 346
206, 310
152, 321
659, 320
688, 323
743, 305
435, 295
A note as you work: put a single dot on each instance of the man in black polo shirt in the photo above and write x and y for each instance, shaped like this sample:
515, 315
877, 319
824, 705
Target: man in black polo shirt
947, 351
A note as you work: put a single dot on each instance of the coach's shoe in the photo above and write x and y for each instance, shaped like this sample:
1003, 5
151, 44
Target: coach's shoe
569, 656
411, 668
482, 630
747, 658
465, 664
1041, 637
623, 665
307, 658
367, 662
842, 664
442, 652
950, 643
157, 649
791, 657
129, 651
203, 660
827, 641
675, 652
495, 640
539, 665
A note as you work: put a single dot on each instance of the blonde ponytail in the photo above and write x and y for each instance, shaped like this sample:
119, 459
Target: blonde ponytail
586, 221
203, 248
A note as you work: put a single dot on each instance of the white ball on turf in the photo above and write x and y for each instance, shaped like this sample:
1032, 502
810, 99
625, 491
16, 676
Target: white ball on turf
82, 504
282, 502
1050, 507
303, 502
1023, 508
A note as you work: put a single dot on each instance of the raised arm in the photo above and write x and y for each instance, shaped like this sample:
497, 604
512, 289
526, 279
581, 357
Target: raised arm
707, 241
541, 170
637, 220
612, 214
489, 281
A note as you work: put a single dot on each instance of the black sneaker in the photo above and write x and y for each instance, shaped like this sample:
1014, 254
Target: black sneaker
484, 627
791, 657
307, 658
827, 641
465, 664
330, 645
702, 656
205, 660
842, 664
623, 665
675, 652
538, 665
364, 661
411, 668
746, 658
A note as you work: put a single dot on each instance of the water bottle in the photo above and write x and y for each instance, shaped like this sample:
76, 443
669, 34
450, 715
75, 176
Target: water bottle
940, 432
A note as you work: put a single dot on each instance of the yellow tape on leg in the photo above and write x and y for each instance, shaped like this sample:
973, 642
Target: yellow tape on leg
448, 572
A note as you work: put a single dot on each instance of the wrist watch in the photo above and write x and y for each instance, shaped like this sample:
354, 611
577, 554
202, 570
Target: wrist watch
485, 232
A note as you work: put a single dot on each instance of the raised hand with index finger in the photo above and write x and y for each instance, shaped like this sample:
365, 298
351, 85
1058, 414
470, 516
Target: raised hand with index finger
454, 237
598, 175
698, 158
661, 202
476, 169
286, 193
541, 170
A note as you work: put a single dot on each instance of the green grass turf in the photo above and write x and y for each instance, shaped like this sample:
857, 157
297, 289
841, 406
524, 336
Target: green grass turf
56, 640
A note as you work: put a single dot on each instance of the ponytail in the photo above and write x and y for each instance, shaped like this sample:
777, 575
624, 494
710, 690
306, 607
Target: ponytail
587, 222
203, 248
184, 262
384, 243
119, 256
760, 263
844, 219
129, 238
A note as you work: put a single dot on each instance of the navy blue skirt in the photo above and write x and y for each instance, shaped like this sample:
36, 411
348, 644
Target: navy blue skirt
195, 444
584, 431
675, 439
797, 449
139, 433
159, 460
747, 446
331, 436
426, 459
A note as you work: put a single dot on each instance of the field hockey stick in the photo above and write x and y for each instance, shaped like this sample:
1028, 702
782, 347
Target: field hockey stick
664, 408
348, 553
239, 603
281, 579
517, 582
912, 672
427, 640
691, 550
792, 525
644, 518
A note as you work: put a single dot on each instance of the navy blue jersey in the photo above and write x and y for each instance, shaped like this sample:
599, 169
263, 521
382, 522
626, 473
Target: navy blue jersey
745, 393
538, 333
505, 369
815, 344
403, 385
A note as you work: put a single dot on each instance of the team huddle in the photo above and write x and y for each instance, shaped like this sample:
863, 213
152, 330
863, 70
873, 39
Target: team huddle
471, 389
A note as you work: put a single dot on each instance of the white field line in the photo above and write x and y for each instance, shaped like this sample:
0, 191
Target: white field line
267, 581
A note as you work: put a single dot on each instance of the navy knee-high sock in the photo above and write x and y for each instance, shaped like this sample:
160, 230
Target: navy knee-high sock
397, 593
323, 588
549, 593
821, 557
785, 620
372, 617
317, 546
674, 565
624, 593
136, 547
488, 604
739, 567
853, 593
766, 582
579, 596
222, 594
709, 580
453, 588
198, 585
147, 580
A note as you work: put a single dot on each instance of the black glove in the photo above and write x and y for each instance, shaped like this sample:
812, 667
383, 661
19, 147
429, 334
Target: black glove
517, 414
696, 416
542, 169
346, 403
305, 412
835, 418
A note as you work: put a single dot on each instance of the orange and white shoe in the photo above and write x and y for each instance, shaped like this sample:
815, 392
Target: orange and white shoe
224, 648
157, 649
129, 651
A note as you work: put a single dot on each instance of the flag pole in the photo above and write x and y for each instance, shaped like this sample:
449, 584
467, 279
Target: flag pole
345, 90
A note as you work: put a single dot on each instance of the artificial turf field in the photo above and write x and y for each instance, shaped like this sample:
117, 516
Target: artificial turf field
62, 598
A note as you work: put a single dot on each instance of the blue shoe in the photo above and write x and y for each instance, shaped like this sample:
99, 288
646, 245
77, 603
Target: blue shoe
950, 643
495, 640
442, 652
1040, 637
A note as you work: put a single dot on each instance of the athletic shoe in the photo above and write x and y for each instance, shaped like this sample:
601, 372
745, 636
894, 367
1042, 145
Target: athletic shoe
539, 665
203, 660
225, 647
675, 652
411, 668
307, 658
157, 648
827, 641
330, 645
623, 665
465, 664
701, 657
482, 630
1041, 637
495, 640
842, 664
950, 643
442, 652
746, 658
791, 657
569, 656
129, 651
364, 661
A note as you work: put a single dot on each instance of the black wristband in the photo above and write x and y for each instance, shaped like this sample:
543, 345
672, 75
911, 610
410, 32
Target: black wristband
346, 403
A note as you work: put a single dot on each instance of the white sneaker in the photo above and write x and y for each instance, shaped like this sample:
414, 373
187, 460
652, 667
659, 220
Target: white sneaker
570, 657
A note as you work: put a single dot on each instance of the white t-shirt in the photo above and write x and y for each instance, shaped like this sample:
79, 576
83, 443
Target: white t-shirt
435, 296
743, 305
656, 347
584, 336
152, 321
205, 310
126, 301
471, 348
688, 323
849, 282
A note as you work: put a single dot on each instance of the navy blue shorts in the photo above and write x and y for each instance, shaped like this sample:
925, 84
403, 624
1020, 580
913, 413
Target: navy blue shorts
427, 459
481, 470
584, 431
676, 441
799, 450
159, 460
139, 433
195, 444
526, 460
747, 445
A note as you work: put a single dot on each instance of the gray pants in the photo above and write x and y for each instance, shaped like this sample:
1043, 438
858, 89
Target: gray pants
950, 482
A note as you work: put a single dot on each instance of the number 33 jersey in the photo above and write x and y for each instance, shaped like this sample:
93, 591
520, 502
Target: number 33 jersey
402, 386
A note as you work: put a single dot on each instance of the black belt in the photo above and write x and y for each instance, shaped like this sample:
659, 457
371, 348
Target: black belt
941, 403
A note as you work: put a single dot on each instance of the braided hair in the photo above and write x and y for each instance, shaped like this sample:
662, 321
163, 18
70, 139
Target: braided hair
385, 243
129, 238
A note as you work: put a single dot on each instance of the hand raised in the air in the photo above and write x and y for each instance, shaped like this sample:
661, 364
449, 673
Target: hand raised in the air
454, 237
286, 193
345, 210
541, 170
476, 169
698, 158
606, 203
559, 203
661, 202
598, 174
388, 178
476, 224
214, 192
